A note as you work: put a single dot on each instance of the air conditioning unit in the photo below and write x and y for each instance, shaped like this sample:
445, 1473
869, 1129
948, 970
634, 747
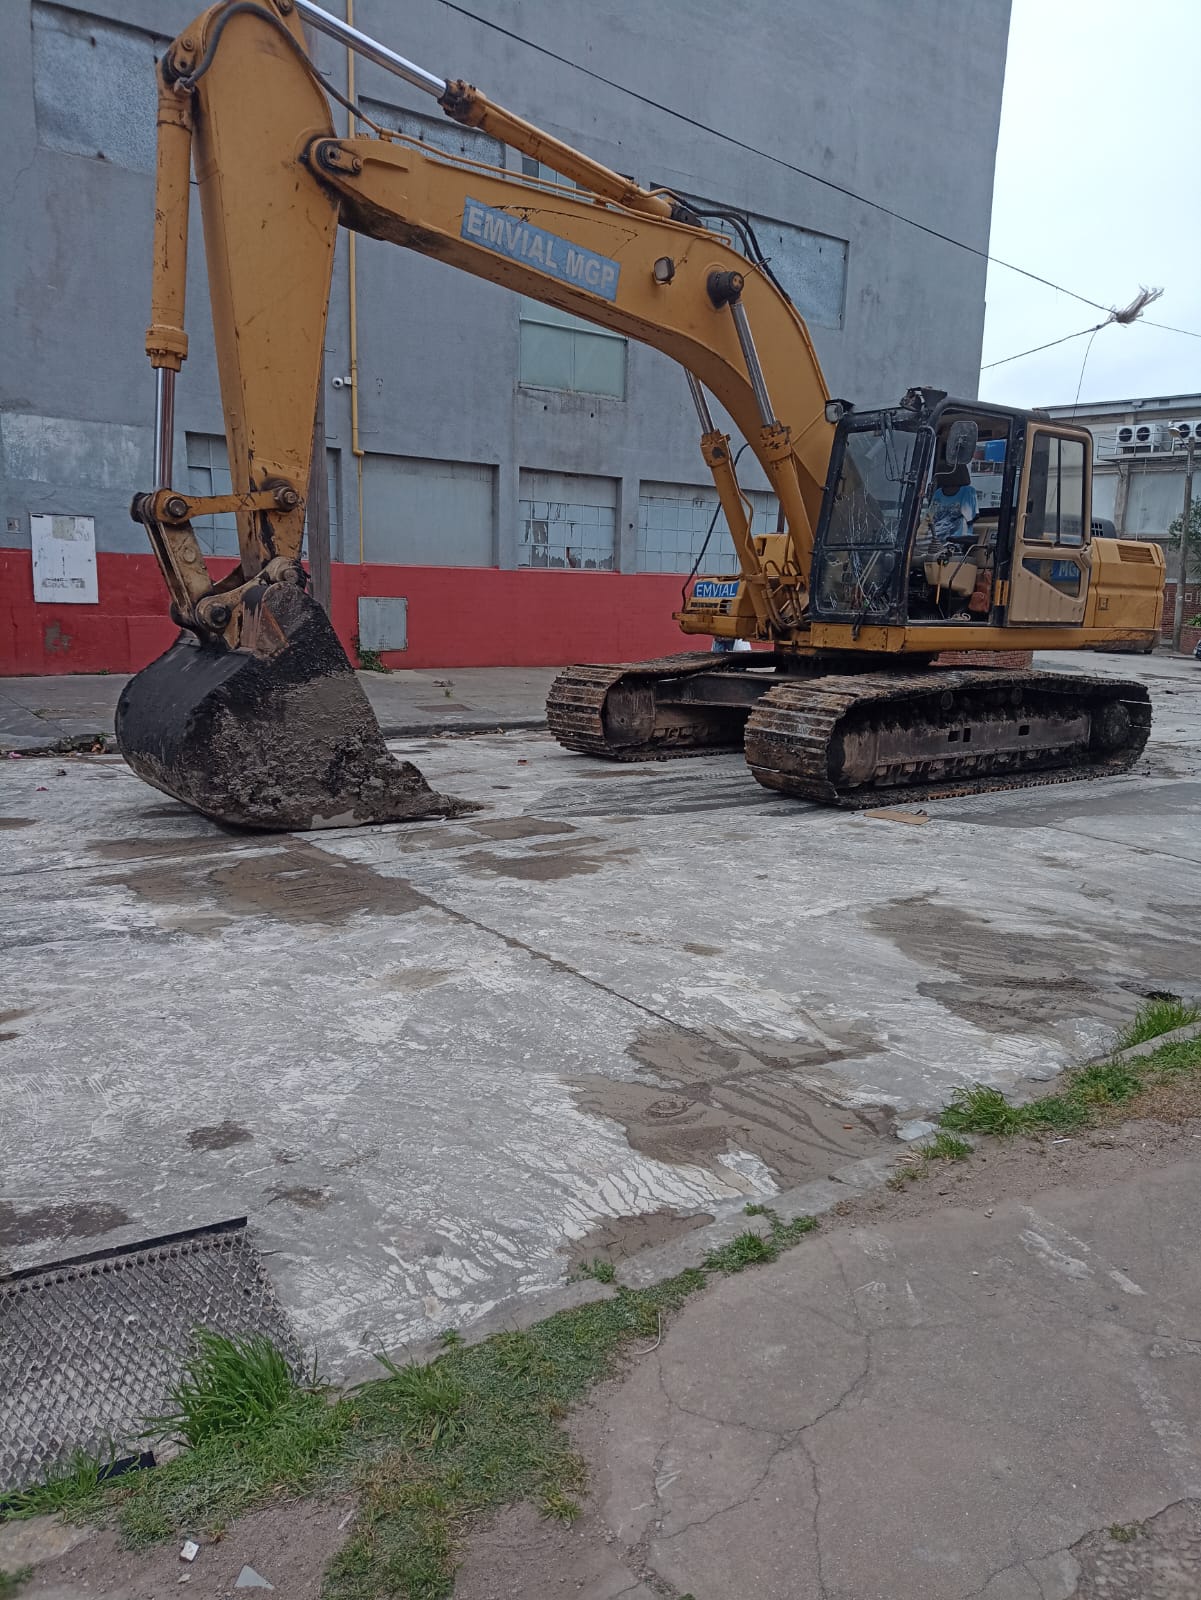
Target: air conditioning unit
1146, 438
1185, 430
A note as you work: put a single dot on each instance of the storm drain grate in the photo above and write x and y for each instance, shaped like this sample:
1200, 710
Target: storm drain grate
90, 1346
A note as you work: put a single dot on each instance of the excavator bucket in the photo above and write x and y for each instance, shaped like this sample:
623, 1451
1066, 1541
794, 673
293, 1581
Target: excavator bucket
277, 735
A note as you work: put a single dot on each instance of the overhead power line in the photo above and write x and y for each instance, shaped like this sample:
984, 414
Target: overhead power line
791, 166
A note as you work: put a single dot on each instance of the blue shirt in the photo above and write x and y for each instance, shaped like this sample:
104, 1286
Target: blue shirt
953, 513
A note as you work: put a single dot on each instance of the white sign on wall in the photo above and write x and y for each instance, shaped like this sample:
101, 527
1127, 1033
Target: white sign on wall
64, 560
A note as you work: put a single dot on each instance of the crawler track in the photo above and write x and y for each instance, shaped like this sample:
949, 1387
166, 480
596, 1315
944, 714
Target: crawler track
872, 738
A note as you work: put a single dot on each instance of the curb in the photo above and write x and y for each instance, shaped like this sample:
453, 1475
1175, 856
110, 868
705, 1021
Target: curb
652, 1265
1191, 1030
414, 730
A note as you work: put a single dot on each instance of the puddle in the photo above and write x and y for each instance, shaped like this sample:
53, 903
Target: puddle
704, 949
292, 882
17, 822
714, 1099
618, 1237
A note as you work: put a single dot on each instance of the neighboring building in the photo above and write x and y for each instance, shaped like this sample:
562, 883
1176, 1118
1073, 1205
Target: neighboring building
1139, 453
1139, 449
530, 486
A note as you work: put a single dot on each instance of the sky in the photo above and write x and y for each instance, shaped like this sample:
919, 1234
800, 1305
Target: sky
1097, 184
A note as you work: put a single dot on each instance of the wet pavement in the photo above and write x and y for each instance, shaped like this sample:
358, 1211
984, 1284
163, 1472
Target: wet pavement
434, 1063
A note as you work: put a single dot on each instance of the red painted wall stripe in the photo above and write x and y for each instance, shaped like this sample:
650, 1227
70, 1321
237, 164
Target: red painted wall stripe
457, 616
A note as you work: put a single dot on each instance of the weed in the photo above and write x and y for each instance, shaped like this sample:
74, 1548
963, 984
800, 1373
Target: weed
229, 1386
1125, 1532
10, 1582
754, 1209
981, 1110
600, 1269
744, 1250
750, 1249
554, 1503
450, 1338
946, 1147
369, 660
1154, 1017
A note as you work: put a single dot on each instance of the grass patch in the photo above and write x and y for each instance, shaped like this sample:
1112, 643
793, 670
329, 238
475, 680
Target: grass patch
946, 1147
751, 1249
425, 1448
1091, 1094
10, 1582
1125, 1532
599, 1268
75, 1486
1154, 1017
229, 1386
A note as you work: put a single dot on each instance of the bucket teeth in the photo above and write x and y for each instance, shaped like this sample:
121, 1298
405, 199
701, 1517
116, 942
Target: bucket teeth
282, 738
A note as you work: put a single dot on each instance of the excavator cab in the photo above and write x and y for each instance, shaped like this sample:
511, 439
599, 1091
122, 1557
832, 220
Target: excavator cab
942, 511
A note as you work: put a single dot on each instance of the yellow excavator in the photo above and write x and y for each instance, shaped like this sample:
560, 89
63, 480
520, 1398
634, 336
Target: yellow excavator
255, 717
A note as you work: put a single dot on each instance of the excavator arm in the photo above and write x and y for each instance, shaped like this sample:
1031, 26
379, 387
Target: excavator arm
257, 669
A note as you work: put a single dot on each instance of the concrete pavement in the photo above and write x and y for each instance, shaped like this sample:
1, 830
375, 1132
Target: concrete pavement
437, 1063
950, 1396
42, 713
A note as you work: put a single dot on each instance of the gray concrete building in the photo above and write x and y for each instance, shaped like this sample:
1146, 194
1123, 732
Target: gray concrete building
496, 435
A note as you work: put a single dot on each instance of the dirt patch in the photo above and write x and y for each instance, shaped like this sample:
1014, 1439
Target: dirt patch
86, 1220
220, 1136
199, 927
1001, 1168
416, 978
713, 1099
1159, 1558
1021, 982
290, 882
519, 828
307, 1199
15, 1014
704, 949
519, 1555
288, 1544
17, 822
546, 867
619, 1237
183, 844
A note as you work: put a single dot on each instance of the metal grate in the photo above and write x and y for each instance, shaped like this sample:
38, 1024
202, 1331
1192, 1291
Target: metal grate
90, 1346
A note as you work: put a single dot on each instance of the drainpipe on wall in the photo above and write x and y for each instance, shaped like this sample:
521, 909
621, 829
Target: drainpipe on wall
356, 449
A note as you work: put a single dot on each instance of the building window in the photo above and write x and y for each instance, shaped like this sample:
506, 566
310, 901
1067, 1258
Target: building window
561, 351
208, 473
567, 520
674, 518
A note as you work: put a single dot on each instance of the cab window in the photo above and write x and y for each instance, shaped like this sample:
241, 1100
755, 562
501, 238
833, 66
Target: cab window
1055, 507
